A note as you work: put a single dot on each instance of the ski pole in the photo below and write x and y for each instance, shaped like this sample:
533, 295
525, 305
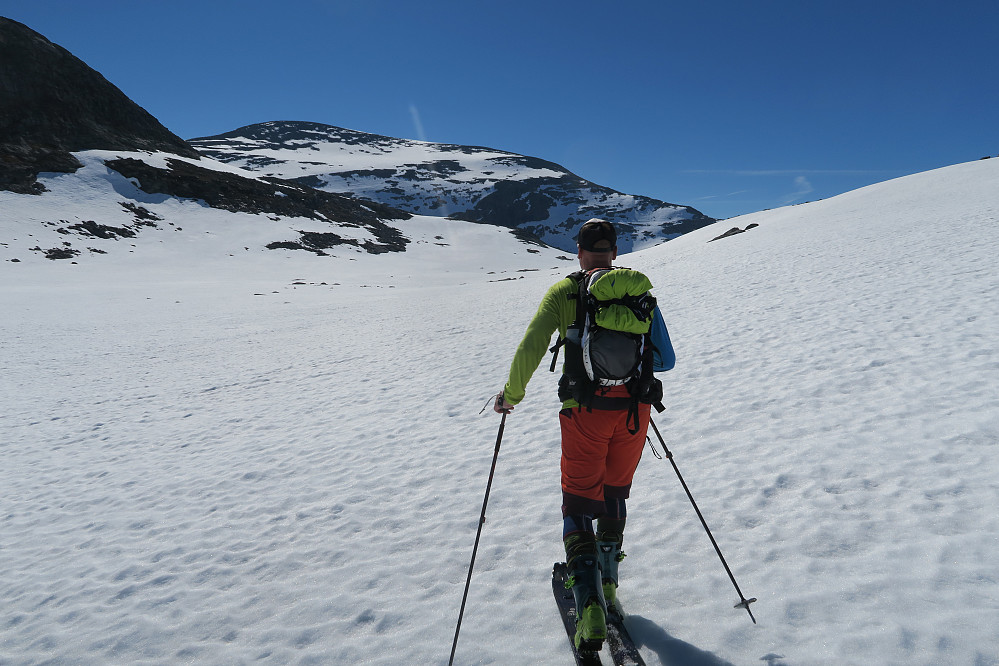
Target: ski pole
745, 602
478, 533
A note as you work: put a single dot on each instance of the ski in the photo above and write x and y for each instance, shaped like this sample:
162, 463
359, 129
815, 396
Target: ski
620, 645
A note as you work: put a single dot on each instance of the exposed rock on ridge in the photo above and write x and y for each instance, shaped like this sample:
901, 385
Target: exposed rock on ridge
52, 103
234, 193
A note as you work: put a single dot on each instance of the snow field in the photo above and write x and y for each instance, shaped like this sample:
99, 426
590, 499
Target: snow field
197, 473
857, 416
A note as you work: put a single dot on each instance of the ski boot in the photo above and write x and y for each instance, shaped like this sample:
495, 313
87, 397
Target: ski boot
591, 619
610, 555
609, 538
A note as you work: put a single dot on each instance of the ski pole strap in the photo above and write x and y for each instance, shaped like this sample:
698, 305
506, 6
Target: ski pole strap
655, 451
662, 442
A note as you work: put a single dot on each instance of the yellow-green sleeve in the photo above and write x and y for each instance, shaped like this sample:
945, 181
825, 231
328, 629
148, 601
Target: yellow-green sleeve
556, 312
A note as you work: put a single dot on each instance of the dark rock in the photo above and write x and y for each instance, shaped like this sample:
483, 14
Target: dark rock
235, 193
733, 231
91, 228
143, 216
511, 203
57, 252
285, 245
52, 103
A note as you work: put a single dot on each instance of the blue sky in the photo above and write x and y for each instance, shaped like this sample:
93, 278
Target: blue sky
726, 106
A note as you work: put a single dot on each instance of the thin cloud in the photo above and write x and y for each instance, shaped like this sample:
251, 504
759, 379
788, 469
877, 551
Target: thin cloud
417, 123
721, 196
804, 188
789, 172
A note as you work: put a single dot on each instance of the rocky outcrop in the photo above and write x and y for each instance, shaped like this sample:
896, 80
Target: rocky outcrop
232, 192
52, 103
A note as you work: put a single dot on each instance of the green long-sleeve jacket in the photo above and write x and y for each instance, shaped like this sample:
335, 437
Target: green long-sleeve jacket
556, 312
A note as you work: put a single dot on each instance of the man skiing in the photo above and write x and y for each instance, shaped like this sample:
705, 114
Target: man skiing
602, 441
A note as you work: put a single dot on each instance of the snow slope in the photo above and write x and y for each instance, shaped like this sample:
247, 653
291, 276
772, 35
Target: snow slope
277, 457
97, 211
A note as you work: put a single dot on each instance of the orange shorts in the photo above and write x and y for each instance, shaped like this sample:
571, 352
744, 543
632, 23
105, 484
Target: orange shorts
599, 457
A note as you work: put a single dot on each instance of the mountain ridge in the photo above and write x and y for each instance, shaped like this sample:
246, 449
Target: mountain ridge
472, 183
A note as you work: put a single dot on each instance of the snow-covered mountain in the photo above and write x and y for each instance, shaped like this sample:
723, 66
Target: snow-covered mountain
277, 456
86, 171
461, 182
63, 126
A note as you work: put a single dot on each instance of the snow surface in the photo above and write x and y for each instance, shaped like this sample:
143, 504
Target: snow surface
220, 457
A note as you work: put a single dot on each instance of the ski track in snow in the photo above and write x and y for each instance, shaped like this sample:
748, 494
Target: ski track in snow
194, 473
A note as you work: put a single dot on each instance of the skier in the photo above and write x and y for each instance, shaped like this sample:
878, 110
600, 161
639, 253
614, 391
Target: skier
601, 443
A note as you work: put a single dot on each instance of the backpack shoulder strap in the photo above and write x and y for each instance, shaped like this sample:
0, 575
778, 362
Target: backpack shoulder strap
580, 278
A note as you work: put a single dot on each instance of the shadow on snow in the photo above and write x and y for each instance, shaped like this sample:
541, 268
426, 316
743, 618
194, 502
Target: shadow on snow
671, 651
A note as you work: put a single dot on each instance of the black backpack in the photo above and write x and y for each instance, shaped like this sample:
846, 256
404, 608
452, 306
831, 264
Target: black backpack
609, 343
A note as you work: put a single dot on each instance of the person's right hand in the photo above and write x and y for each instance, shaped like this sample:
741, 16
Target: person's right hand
501, 406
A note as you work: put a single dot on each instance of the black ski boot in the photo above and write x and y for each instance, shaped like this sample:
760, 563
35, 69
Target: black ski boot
587, 589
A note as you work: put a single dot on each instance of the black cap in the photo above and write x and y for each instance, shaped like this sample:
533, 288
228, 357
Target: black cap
597, 235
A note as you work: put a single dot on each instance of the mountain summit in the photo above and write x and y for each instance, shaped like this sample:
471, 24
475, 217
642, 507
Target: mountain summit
470, 183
